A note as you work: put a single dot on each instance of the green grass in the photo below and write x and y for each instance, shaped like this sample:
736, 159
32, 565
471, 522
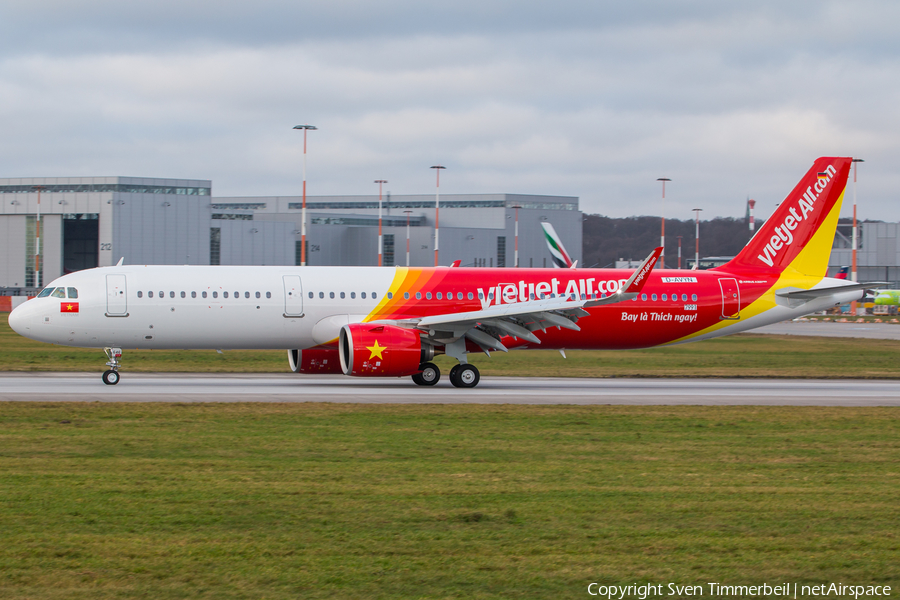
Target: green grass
395, 501
745, 355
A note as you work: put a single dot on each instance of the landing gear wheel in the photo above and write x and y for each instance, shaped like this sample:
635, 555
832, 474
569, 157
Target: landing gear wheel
429, 376
111, 377
465, 376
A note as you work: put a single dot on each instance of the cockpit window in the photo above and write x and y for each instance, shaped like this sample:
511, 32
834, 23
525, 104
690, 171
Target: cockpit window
58, 293
73, 293
45, 292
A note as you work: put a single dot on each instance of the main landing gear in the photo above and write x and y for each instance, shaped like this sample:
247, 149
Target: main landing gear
111, 376
461, 376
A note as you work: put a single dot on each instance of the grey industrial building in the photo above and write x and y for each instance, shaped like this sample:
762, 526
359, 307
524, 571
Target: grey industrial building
94, 221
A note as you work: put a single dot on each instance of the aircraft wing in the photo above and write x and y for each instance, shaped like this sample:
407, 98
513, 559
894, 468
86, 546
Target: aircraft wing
521, 319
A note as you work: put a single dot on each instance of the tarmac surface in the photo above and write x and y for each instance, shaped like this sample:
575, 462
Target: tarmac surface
143, 387
872, 331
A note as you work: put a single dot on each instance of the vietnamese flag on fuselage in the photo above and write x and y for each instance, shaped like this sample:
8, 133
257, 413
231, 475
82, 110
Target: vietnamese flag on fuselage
68, 307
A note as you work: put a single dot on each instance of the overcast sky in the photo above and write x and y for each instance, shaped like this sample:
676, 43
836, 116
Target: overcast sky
590, 99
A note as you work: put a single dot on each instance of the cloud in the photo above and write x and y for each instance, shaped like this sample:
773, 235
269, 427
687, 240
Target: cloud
590, 99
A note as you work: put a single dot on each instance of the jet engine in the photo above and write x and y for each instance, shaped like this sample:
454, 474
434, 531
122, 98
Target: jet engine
368, 350
315, 360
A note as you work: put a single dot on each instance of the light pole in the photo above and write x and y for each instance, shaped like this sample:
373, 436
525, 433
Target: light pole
516, 254
437, 208
380, 238
37, 238
407, 235
679, 251
855, 238
697, 238
305, 128
662, 238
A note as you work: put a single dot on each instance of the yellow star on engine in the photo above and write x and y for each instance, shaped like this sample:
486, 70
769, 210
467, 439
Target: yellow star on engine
376, 350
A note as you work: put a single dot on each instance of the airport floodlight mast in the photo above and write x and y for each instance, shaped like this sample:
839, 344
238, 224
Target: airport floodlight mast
408, 212
305, 128
662, 237
37, 238
380, 238
855, 238
437, 209
697, 238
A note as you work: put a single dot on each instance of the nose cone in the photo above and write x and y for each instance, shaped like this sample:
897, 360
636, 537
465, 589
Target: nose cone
18, 320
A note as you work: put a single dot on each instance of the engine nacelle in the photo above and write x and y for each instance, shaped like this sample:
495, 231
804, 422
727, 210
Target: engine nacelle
315, 360
368, 350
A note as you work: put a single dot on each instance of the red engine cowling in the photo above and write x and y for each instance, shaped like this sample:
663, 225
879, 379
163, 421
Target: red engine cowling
315, 360
381, 350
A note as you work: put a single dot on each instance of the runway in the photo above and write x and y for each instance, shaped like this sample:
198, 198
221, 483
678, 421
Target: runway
141, 387
871, 331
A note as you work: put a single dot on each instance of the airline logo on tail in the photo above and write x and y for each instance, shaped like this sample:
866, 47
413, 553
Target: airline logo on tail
798, 213
558, 252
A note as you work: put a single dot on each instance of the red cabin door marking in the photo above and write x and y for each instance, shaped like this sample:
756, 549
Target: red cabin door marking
731, 299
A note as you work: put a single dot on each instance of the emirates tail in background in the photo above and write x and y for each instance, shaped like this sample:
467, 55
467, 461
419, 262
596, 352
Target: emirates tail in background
558, 252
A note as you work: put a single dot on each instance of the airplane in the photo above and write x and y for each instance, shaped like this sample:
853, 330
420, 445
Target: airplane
887, 297
392, 321
842, 273
561, 258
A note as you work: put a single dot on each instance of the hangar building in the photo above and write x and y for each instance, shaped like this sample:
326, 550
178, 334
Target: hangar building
93, 221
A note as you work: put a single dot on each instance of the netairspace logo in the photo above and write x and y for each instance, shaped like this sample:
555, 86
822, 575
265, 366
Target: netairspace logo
718, 590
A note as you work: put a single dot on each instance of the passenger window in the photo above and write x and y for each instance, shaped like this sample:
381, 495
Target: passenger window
428, 295
246, 294
653, 297
374, 295
342, 295
440, 296
390, 295
149, 294
491, 295
644, 297
203, 294
73, 293
470, 296
684, 297
224, 294
353, 295
171, 294
45, 292
406, 295
665, 297
268, 294
321, 294
459, 295
257, 294
362, 295
162, 294
193, 294
694, 297
481, 295
216, 294
331, 295
310, 295
59, 293
140, 294
418, 295
183, 294
237, 295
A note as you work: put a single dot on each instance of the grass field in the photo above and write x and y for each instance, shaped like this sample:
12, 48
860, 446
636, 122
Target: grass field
348, 501
745, 355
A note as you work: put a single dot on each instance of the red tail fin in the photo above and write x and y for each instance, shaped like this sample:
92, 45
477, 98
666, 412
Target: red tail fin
797, 220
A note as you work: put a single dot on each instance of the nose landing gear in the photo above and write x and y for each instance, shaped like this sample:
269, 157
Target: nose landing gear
111, 376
